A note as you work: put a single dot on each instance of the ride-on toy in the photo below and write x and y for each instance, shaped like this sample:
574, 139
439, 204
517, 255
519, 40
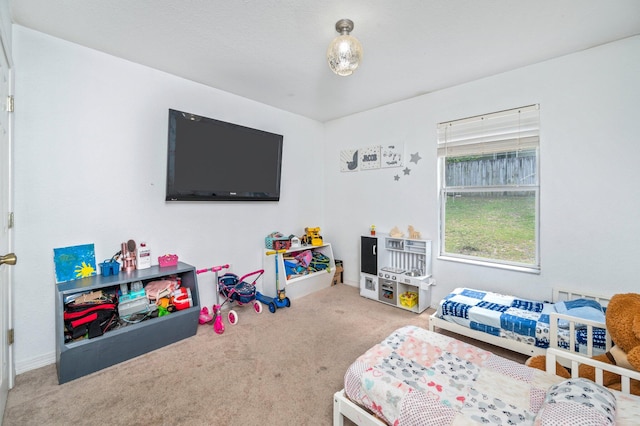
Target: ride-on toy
234, 289
281, 300
218, 325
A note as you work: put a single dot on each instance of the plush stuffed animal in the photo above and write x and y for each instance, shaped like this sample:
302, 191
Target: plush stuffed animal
623, 324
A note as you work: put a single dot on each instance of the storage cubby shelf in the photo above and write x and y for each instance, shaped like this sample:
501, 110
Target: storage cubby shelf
300, 285
82, 357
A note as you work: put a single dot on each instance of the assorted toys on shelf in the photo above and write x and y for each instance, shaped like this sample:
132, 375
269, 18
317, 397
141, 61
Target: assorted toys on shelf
278, 241
304, 261
92, 313
89, 314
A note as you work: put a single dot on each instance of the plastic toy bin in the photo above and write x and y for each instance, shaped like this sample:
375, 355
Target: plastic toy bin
109, 267
409, 299
168, 260
283, 243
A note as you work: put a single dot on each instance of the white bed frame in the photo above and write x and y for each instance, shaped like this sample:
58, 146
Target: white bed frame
575, 360
344, 407
559, 295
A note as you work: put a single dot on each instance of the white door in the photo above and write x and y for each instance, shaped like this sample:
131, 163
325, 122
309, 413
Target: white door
6, 244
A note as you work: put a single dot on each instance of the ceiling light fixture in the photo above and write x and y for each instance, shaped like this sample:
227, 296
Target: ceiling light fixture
345, 51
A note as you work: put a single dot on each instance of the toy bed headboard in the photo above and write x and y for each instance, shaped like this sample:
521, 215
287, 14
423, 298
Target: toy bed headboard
563, 294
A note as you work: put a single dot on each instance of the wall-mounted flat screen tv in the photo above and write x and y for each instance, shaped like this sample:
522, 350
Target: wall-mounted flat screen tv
212, 160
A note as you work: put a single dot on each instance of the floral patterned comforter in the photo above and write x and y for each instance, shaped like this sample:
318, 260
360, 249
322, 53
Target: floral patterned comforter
418, 377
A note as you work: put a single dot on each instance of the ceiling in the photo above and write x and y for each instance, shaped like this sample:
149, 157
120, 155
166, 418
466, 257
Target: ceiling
273, 51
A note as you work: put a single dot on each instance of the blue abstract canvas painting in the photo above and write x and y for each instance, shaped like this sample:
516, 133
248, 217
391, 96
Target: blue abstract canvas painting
74, 262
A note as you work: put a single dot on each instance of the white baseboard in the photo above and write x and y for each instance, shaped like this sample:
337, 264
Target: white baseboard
36, 362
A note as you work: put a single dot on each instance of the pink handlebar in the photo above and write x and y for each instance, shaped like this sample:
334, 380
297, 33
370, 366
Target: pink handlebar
259, 271
213, 269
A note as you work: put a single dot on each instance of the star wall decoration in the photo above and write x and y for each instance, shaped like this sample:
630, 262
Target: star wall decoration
407, 171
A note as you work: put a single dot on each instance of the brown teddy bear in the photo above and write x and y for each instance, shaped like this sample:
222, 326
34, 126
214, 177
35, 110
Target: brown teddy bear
623, 323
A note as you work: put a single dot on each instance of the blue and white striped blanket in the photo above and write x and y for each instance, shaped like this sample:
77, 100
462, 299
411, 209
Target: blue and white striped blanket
518, 319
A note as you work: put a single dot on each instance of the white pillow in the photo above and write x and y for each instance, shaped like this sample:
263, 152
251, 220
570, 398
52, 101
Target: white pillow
578, 402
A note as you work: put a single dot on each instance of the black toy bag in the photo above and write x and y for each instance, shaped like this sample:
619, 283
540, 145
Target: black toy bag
91, 319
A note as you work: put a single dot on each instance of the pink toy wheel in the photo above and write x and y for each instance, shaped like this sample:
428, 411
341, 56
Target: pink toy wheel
257, 306
218, 325
205, 316
232, 316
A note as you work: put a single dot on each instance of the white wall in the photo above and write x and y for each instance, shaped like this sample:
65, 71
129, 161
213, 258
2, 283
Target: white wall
90, 166
5, 22
90, 158
590, 197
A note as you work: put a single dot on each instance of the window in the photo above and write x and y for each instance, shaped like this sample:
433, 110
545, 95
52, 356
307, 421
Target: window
489, 189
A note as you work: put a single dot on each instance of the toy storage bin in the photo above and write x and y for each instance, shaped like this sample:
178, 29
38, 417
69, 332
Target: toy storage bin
409, 299
277, 243
337, 276
168, 260
109, 267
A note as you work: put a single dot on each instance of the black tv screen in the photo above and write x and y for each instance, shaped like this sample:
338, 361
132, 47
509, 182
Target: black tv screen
212, 160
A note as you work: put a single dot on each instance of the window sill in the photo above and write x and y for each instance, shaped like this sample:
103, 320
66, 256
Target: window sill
515, 268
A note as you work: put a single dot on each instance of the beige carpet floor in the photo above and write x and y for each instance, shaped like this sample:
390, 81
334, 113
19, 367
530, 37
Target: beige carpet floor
269, 369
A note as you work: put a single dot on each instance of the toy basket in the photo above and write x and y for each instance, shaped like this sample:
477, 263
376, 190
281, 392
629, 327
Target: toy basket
409, 299
109, 267
277, 241
168, 260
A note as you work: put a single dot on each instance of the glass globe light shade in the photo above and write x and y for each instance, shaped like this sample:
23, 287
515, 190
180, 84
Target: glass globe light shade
345, 51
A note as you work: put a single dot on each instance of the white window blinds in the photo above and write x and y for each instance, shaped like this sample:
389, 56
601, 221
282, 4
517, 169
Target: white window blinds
511, 130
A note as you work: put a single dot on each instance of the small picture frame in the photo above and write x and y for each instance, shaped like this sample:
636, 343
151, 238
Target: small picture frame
74, 262
349, 160
392, 155
370, 158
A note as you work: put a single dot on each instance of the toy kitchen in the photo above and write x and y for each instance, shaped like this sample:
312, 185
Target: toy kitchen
396, 271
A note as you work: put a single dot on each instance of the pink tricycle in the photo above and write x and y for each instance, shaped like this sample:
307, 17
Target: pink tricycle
234, 289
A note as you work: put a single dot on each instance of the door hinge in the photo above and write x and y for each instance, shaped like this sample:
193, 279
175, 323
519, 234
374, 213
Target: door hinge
10, 221
10, 336
10, 103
